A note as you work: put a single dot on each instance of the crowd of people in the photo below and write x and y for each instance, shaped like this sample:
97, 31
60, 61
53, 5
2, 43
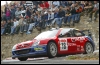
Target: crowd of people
17, 18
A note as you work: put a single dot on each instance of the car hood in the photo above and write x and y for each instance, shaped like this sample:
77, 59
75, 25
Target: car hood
43, 38
28, 44
25, 44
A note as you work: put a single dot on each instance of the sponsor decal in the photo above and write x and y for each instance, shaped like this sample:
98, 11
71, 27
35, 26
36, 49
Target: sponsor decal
82, 49
78, 47
38, 49
71, 44
81, 39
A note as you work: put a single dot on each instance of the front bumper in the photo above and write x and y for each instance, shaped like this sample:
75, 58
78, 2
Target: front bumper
29, 52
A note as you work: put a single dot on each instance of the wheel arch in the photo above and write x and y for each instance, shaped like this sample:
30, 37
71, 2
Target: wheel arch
54, 42
51, 41
90, 43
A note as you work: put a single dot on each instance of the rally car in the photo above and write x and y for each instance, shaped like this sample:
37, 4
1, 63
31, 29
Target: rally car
55, 42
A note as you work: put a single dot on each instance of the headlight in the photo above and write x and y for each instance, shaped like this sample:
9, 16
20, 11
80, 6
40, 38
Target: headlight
14, 47
36, 43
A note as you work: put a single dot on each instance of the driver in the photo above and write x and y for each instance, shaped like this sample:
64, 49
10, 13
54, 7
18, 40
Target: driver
67, 35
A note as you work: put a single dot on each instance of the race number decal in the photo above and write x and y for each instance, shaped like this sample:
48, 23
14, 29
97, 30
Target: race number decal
63, 44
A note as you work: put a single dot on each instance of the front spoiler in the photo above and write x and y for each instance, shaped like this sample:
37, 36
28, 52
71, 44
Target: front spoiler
30, 55
34, 52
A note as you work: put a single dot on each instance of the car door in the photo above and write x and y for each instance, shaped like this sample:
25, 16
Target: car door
65, 42
78, 38
71, 42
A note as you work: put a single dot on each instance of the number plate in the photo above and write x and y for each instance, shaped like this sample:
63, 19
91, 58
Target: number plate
63, 44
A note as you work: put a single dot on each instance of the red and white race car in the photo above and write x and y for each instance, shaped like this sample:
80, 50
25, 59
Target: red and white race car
55, 42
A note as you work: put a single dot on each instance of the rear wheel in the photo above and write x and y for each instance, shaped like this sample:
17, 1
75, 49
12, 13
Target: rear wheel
52, 50
88, 48
23, 59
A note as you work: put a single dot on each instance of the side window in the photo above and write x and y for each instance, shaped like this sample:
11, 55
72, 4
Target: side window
77, 33
65, 33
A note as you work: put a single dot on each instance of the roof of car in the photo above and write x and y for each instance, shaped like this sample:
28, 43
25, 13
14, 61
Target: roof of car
67, 28
61, 28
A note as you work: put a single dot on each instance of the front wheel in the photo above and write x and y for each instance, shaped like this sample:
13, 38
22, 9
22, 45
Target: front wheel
23, 59
88, 48
52, 50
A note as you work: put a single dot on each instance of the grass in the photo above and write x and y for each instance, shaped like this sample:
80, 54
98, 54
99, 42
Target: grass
94, 56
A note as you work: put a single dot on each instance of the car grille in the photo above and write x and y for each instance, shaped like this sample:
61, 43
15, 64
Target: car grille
25, 51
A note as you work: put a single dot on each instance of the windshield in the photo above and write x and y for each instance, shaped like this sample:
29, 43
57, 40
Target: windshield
46, 34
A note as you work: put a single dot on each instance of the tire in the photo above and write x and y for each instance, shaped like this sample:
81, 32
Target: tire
23, 59
88, 48
51, 50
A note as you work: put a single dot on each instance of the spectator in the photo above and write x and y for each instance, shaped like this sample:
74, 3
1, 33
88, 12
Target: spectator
13, 26
67, 17
73, 13
39, 19
56, 16
56, 3
50, 18
28, 12
53, 7
44, 4
96, 9
23, 12
45, 17
8, 27
3, 17
39, 2
18, 13
31, 25
35, 3
82, 4
61, 16
26, 22
3, 25
23, 4
86, 4
13, 10
35, 17
16, 25
8, 14
78, 11
90, 11
6, 6
50, 4
35, 8
21, 24
62, 3
69, 3
39, 8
